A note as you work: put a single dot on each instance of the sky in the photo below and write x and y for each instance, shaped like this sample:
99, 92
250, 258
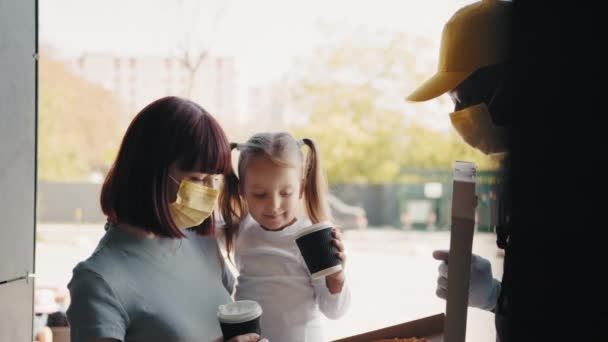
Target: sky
265, 36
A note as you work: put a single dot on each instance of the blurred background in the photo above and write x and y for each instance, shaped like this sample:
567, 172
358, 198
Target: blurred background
336, 72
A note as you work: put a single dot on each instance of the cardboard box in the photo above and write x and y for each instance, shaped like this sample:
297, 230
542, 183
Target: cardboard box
429, 327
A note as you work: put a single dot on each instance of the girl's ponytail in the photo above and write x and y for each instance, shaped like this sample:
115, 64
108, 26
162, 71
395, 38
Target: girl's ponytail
315, 185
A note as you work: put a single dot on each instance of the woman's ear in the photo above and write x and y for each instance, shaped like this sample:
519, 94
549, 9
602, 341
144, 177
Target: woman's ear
301, 188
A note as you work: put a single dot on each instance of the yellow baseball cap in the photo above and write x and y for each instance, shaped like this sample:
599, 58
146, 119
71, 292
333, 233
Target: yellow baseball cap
477, 35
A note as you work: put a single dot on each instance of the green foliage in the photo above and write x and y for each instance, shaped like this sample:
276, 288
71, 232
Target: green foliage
352, 91
78, 124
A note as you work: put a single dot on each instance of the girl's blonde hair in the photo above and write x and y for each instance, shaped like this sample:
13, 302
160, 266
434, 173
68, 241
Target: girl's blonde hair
284, 150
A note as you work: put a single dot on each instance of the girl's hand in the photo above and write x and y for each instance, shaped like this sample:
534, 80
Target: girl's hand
336, 281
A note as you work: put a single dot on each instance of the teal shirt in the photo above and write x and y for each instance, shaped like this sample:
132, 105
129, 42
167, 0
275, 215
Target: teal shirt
134, 289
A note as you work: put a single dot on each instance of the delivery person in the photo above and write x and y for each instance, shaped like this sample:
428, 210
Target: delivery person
475, 69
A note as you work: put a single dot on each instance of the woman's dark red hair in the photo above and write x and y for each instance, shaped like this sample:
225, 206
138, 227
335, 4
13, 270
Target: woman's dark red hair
167, 131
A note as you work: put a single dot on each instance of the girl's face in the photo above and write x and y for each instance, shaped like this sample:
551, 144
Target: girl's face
272, 193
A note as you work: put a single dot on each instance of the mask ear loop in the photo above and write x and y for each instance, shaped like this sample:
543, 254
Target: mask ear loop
496, 92
173, 179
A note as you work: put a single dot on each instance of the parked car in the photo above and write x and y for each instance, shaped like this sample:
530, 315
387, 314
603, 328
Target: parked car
347, 216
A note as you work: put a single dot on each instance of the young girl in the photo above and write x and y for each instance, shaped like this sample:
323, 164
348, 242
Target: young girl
276, 184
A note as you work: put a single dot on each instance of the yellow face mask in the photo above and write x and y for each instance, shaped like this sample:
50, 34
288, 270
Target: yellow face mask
475, 126
193, 205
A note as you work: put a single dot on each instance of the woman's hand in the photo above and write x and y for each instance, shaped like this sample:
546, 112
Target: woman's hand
335, 281
244, 338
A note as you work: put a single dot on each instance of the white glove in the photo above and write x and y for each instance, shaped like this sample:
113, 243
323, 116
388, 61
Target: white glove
483, 288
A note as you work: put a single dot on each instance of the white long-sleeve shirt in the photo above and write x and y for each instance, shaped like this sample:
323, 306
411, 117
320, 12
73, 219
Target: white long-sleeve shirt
273, 272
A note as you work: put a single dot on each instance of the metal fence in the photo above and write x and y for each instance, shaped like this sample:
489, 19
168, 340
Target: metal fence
422, 201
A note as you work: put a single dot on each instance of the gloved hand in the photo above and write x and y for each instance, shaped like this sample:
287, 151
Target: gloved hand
483, 288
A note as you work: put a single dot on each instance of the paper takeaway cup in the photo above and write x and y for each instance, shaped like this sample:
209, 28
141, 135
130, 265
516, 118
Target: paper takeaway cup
320, 254
239, 318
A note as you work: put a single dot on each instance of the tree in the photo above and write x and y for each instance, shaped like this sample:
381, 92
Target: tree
358, 143
352, 91
438, 150
78, 124
196, 40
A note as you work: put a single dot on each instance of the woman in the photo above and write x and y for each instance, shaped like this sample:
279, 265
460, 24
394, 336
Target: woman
157, 274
